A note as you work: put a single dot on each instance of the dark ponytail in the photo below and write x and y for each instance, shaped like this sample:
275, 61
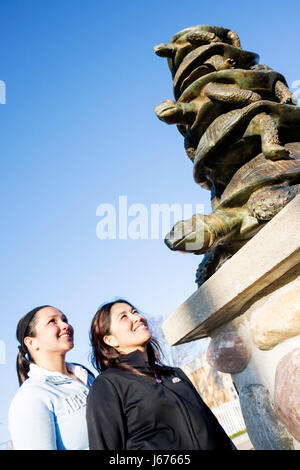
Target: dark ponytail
26, 327
22, 366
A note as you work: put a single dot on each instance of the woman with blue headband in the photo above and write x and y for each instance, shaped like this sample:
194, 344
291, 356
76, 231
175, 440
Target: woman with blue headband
48, 410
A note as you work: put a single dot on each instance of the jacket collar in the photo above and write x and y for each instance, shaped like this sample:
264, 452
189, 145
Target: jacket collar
37, 371
134, 359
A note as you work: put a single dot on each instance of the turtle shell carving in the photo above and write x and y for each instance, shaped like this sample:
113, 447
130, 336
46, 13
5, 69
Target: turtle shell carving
260, 172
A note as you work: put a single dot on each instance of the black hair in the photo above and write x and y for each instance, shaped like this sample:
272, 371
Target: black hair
26, 327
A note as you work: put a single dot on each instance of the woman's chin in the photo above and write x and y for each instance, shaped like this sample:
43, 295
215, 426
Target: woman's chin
69, 346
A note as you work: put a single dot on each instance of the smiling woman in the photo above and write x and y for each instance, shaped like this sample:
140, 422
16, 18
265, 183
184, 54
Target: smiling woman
119, 329
48, 411
137, 403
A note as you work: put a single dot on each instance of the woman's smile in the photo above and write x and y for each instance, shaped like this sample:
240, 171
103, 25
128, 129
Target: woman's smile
67, 335
139, 326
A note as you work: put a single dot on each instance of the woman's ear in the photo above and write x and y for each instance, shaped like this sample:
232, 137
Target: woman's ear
110, 340
31, 343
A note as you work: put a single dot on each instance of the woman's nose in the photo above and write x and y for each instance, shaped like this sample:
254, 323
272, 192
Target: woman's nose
64, 325
136, 317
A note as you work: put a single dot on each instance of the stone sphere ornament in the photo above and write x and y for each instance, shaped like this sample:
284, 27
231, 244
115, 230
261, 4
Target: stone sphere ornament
228, 352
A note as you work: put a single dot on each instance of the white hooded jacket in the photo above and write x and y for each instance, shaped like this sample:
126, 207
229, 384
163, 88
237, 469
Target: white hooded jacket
49, 410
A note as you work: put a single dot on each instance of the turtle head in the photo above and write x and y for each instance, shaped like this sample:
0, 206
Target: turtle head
168, 111
189, 236
164, 50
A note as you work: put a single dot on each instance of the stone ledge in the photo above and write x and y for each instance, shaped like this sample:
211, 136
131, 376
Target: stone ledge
270, 254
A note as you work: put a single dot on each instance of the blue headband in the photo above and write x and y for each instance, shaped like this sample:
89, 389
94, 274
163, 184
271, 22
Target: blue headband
23, 326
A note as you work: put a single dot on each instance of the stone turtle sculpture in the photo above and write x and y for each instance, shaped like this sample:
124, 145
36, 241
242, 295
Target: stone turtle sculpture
241, 130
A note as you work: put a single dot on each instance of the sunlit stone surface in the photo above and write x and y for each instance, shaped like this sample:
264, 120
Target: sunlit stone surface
278, 319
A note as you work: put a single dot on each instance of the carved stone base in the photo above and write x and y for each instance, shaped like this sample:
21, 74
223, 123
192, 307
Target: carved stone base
250, 308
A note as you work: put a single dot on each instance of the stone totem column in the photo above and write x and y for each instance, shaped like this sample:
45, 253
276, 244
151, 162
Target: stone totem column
241, 130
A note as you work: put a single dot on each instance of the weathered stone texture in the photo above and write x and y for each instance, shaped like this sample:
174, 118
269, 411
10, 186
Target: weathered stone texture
278, 319
287, 392
228, 352
263, 426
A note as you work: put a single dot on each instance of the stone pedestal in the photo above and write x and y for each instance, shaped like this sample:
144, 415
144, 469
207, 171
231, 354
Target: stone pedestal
250, 308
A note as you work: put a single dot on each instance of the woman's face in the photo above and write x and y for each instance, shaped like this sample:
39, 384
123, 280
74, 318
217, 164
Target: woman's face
53, 333
128, 329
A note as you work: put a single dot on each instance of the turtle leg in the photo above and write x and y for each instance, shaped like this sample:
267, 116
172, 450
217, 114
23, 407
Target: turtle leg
199, 38
283, 93
234, 39
230, 95
201, 232
266, 202
264, 125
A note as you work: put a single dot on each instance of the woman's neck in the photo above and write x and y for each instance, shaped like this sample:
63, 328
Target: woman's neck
142, 350
54, 363
144, 354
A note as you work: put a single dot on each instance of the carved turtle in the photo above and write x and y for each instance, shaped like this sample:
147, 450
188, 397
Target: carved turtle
190, 38
257, 192
228, 139
216, 93
207, 56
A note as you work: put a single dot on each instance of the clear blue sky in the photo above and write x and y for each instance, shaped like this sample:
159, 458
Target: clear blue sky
78, 129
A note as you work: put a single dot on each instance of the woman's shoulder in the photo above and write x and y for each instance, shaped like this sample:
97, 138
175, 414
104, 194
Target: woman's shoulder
108, 379
106, 385
30, 392
107, 375
33, 385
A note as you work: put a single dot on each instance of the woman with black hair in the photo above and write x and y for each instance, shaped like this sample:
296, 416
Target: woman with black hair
136, 403
48, 410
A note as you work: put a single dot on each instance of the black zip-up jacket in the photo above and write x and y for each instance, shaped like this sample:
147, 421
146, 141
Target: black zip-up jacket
126, 411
